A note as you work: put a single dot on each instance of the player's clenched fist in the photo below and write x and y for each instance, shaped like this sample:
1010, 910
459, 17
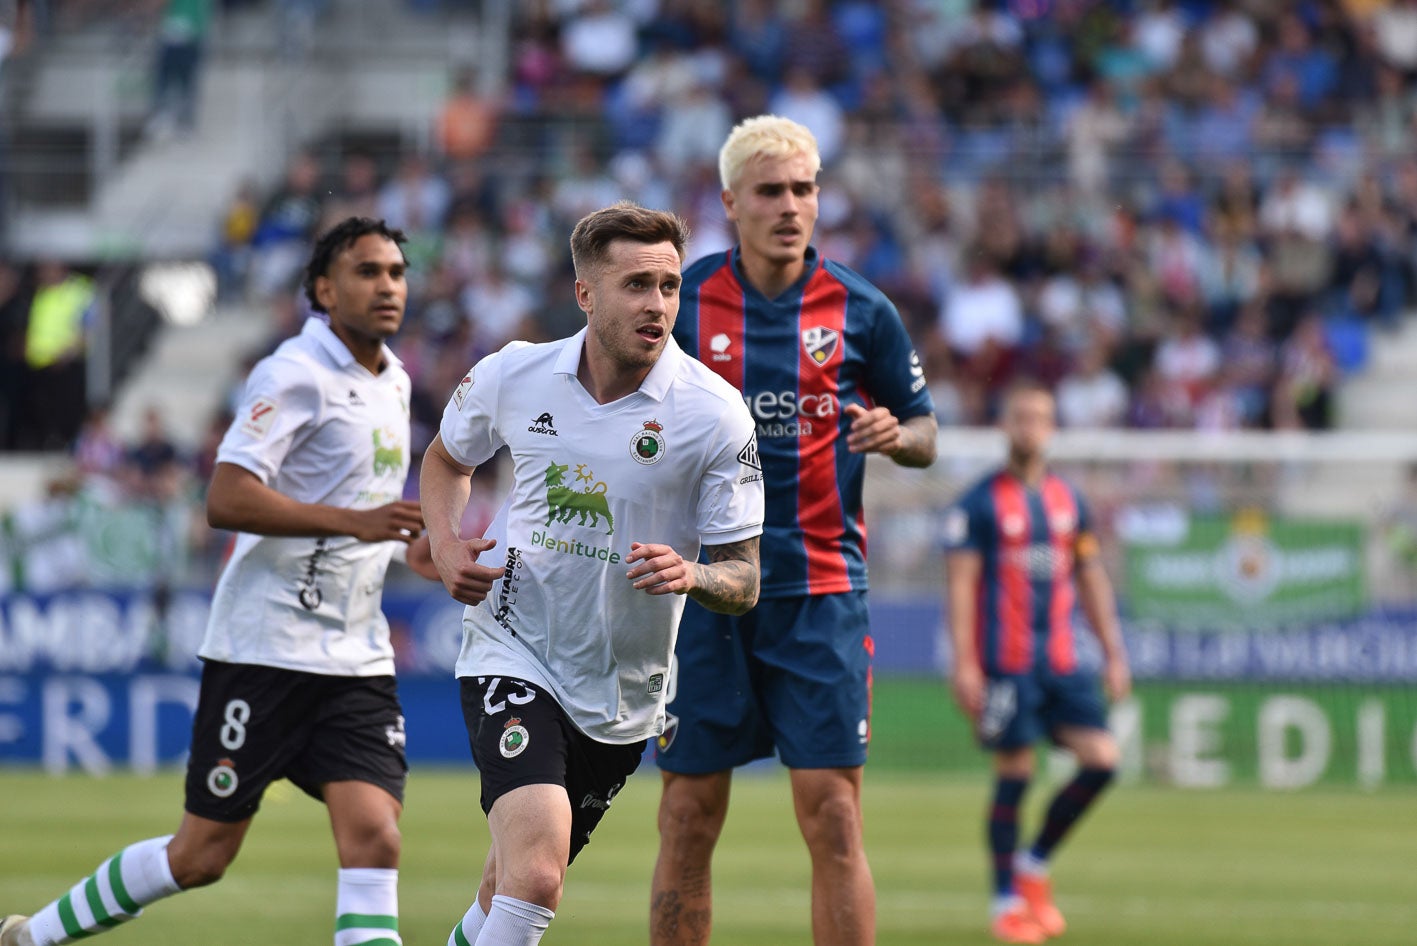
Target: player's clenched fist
456, 561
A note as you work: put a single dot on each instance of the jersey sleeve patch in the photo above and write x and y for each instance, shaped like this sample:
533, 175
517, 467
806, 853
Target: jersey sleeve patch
259, 417
464, 386
748, 456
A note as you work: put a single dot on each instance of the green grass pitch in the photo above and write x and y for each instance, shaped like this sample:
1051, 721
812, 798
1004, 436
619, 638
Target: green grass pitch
1150, 865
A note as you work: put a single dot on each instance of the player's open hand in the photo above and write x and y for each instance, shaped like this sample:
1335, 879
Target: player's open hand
659, 570
876, 430
967, 684
466, 580
400, 521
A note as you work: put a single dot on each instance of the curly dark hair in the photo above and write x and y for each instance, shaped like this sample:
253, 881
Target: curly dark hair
339, 238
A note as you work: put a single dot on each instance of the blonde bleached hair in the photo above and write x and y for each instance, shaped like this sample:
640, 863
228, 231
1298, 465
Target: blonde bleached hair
768, 136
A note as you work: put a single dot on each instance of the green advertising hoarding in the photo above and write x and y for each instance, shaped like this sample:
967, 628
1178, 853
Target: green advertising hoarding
1249, 569
1192, 735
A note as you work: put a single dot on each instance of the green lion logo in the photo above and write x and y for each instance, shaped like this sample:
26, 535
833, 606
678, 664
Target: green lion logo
563, 502
387, 459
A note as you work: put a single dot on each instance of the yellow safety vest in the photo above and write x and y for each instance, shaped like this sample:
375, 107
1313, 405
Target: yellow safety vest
56, 321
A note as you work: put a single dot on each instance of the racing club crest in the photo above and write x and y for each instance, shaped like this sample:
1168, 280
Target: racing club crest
514, 738
820, 343
647, 445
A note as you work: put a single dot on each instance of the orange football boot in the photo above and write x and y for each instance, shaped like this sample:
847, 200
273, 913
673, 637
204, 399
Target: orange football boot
1017, 925
1037, 892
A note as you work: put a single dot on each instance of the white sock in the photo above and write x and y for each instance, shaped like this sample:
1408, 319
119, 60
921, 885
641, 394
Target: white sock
1026, 863
513, 922
367, 908
1003, 904
115, 893
465, 933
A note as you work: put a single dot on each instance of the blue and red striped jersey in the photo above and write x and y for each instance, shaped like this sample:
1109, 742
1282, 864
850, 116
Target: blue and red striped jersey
830, 340
1028, 540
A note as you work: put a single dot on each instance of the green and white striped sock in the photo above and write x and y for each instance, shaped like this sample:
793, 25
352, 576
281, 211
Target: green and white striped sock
115, 893
367, 909
465, 933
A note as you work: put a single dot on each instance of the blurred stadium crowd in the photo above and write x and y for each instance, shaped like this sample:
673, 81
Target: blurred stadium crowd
1183, 214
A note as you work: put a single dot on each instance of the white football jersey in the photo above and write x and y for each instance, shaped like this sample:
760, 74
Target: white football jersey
315, 425
674, 463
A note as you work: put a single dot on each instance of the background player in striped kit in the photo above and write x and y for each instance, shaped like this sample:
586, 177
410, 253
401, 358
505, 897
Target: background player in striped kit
1021, 554
825, 366
298, 674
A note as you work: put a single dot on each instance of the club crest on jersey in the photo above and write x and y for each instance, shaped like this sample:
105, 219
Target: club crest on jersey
647, 445
514, 738
820, 343
222, 780
260, 417
464, 386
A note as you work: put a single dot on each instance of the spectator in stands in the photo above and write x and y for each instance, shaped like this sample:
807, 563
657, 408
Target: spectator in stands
1248, 354
1395, 25
600, 39
1304, 392
232, 258
1092, 395
288, 223
1093, 130
416, 200
156, 465
467, 123
182, 35
97, 449
498, 309
52, 405
1187, 358
1230, 273
806, 102
357, 194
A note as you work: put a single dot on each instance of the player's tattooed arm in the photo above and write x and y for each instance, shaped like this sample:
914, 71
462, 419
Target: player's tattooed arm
728, 584
918, 436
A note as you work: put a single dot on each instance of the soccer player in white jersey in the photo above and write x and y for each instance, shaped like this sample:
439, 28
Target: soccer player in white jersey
629, 456
298, 675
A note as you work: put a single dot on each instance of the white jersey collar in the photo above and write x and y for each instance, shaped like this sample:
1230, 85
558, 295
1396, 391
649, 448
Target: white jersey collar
317, 330
656, 384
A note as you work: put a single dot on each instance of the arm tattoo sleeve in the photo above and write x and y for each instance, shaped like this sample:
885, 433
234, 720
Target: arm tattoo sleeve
728, 584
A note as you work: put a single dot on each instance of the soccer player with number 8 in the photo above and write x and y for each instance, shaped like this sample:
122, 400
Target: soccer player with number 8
298, 676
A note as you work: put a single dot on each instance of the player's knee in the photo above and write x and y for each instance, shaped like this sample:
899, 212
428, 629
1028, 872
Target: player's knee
202, 867
833, 827
691, 821
1101, 756
382, 843
539, 882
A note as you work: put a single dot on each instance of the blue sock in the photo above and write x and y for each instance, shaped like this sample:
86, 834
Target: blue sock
1003, 831
1072, 800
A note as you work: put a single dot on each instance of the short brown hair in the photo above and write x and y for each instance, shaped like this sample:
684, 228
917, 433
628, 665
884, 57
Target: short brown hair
591, 239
